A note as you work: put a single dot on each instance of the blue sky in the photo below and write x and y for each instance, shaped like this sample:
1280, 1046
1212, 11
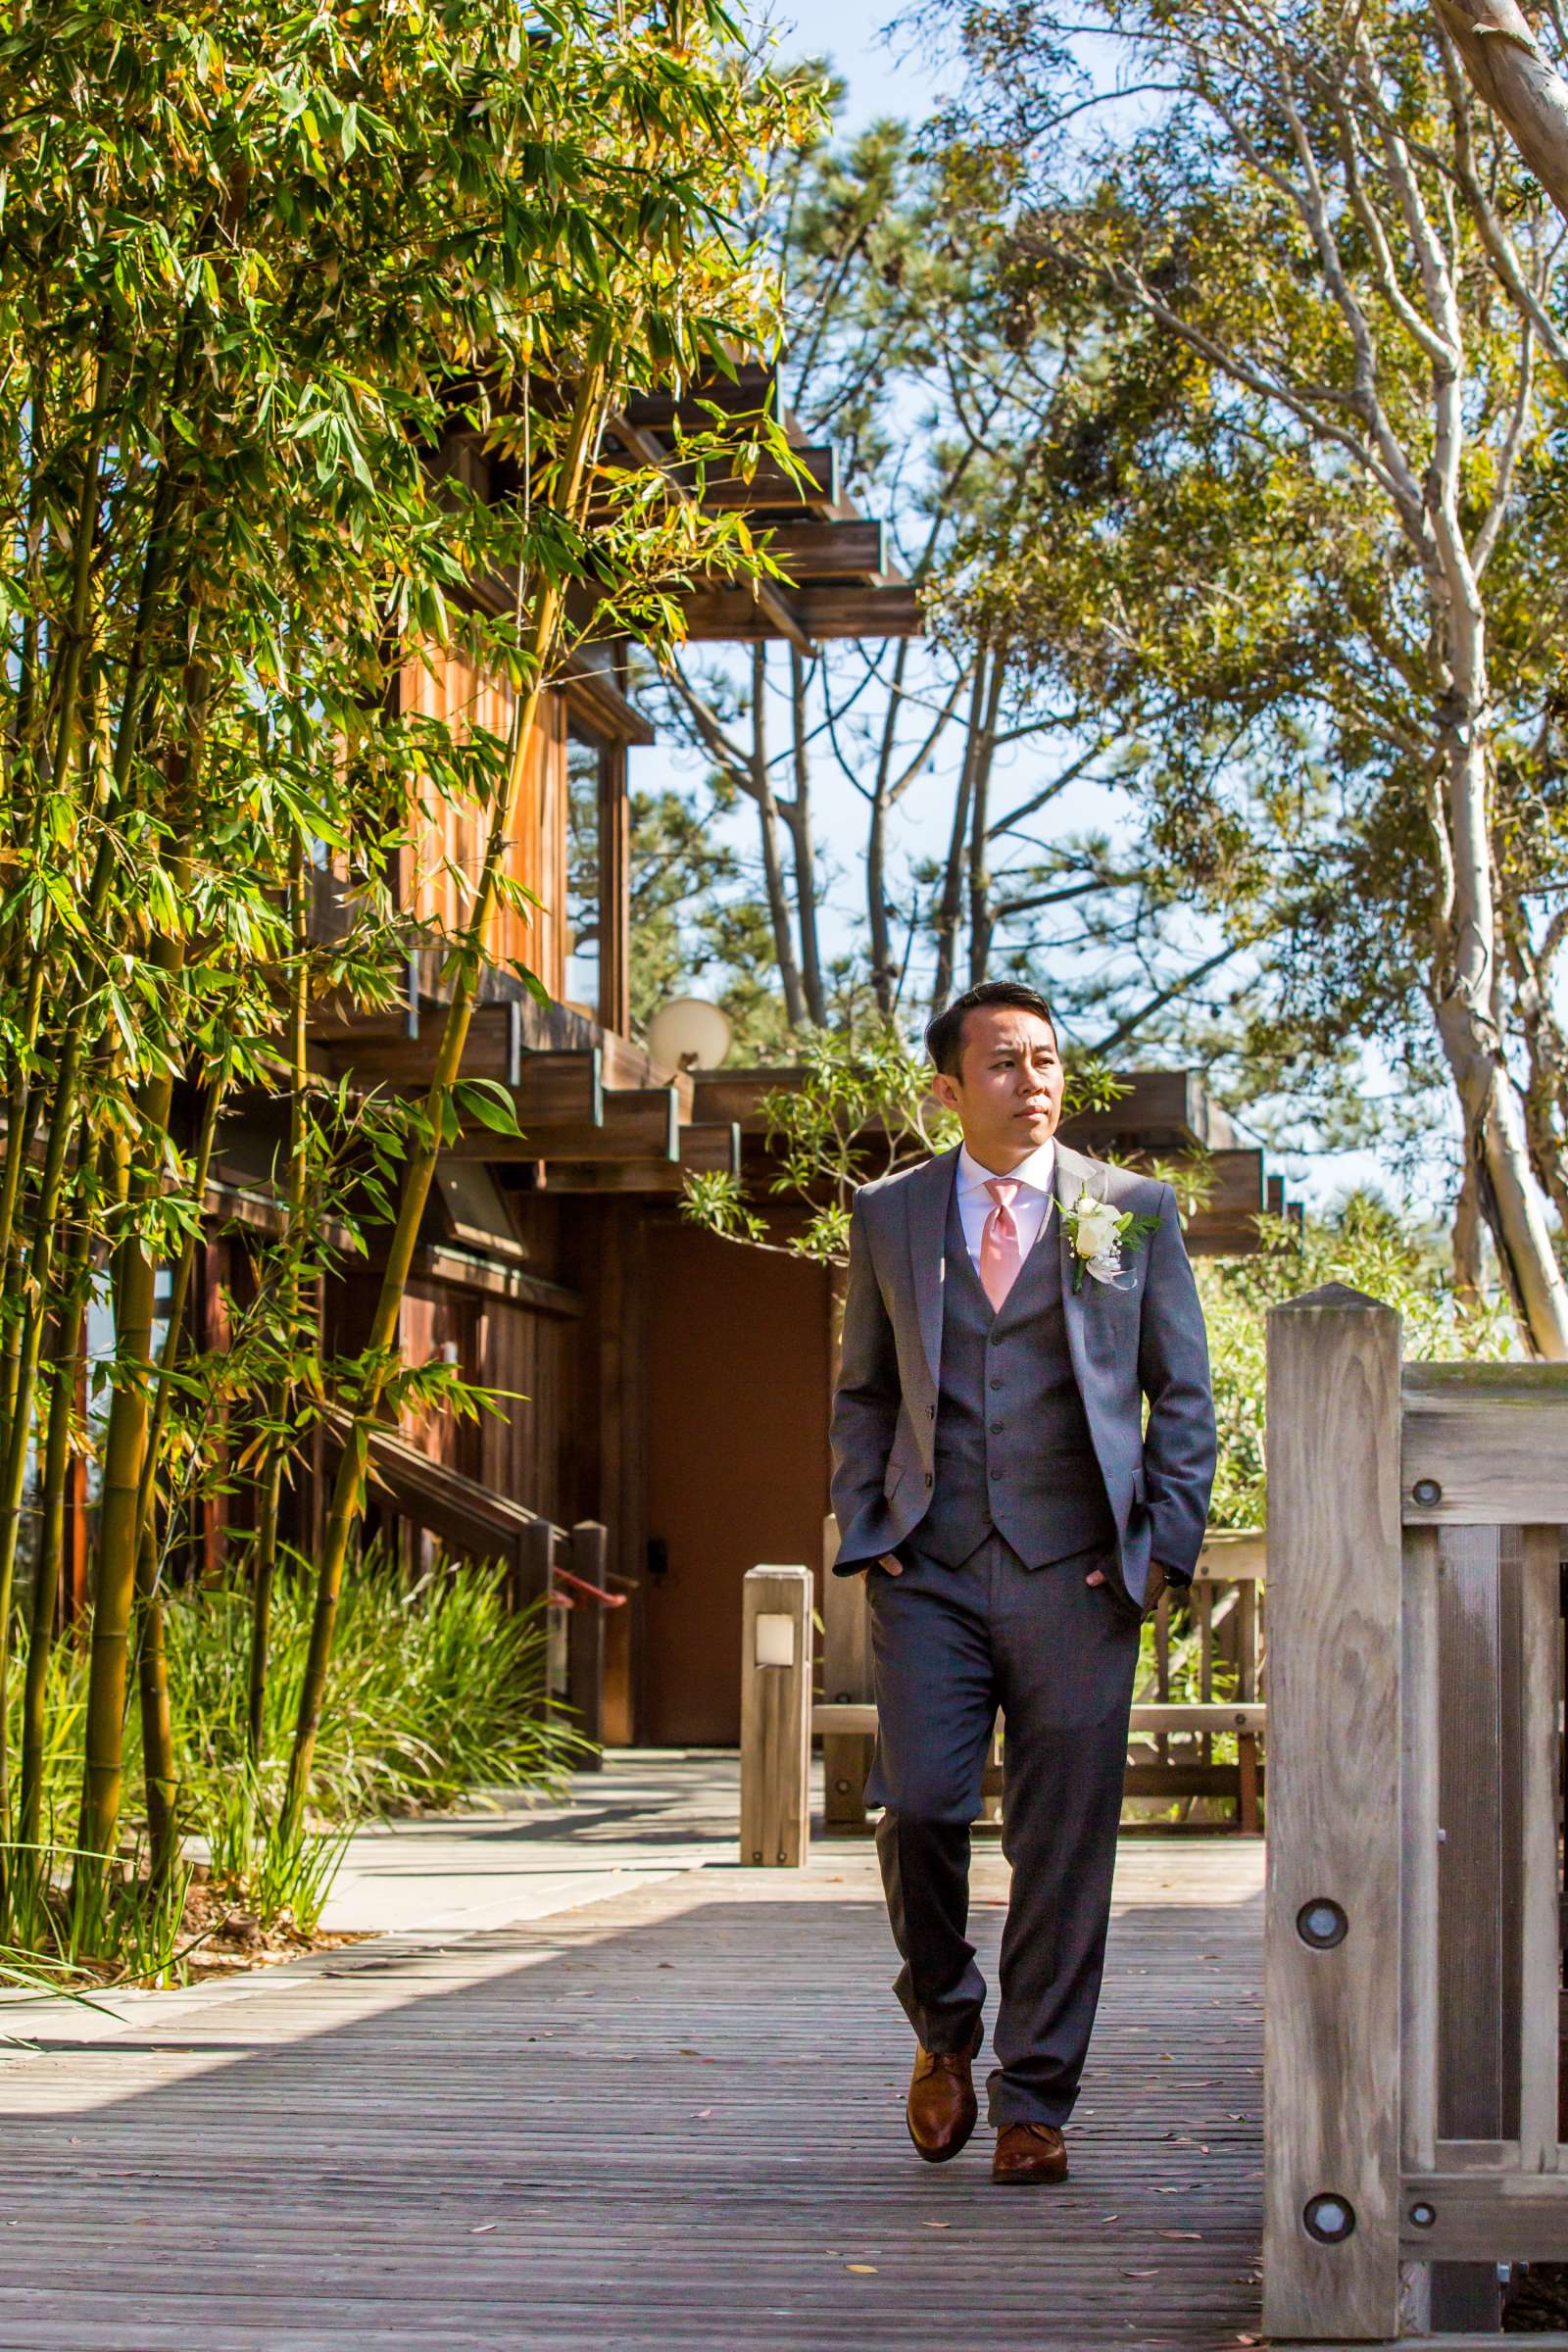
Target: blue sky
882, 79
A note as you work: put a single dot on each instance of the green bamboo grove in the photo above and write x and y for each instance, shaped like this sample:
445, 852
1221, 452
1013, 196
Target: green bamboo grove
255, 264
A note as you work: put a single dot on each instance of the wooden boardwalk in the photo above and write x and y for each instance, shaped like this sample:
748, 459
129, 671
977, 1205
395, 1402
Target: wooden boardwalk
669, 2119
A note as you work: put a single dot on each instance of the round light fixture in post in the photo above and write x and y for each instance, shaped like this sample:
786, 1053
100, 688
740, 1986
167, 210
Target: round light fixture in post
689, 1034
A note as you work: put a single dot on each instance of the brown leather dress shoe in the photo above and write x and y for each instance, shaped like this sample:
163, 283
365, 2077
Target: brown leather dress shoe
1028, 2154
941, 2111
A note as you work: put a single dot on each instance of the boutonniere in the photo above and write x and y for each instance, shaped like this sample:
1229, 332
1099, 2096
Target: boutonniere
1099, 1235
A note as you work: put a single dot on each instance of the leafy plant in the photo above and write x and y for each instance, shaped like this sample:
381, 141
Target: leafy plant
1364, 1243
864, 1107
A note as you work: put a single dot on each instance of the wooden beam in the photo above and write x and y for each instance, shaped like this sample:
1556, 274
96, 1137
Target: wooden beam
771, 600
706, 1146
753, 388
639, 1123
720, 616
1482, 1443
814, 550
772, 488
1165, 1110
1515, 2217
739, 1094
592, 694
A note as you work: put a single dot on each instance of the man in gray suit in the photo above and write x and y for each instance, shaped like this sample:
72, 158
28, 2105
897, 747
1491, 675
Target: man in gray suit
995, 1483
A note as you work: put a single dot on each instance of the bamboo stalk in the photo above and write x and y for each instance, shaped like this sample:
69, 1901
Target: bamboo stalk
348, 1494
51, 1550
160, 1768
68, 1085
265, 1568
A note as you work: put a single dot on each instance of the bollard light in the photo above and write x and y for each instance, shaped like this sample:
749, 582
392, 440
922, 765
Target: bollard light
775, 1639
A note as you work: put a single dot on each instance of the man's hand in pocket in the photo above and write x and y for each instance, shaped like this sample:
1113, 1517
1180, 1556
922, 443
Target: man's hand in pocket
889, 1560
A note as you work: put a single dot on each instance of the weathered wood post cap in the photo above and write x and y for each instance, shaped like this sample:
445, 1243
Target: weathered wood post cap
1333, 1297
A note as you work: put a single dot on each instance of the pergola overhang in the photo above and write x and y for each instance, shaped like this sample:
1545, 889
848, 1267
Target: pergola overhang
595, 1114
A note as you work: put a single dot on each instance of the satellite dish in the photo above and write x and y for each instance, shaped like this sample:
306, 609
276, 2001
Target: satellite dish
689, 1034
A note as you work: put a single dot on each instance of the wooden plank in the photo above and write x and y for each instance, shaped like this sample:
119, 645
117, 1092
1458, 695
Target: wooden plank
1540, 1940
1149, 1718
751, 391
709, 1147
1420, 1980
811, 552
733, 615
740, 1094
1490, 1440
1333, 2011
548, 2135
770, 486
639, 1123
1518, 2217
777, 1717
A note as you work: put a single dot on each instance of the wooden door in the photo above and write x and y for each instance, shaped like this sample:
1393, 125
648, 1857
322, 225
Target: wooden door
737, 1405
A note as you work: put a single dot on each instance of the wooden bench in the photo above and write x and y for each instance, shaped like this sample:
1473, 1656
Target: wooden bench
779, 1715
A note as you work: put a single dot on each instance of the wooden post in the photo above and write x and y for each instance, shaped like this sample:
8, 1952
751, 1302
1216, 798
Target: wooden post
846, 1680
777, 1717
585, 1638
615, 891
532, 1565
1248, 1816
1541, 1954
1331, 2258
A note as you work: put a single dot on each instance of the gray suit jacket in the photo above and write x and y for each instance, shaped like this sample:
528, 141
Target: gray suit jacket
1144, 1340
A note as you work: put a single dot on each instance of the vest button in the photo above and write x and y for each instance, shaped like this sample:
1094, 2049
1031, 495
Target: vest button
995, 1384
997, 1428
998, 1472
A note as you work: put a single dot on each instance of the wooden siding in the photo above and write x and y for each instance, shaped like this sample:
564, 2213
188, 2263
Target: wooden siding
453, 691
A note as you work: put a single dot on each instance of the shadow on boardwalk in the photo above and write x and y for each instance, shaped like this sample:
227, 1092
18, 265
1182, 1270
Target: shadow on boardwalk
669, 2119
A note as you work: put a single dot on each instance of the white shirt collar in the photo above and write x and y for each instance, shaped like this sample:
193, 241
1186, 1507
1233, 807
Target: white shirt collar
1038, 1172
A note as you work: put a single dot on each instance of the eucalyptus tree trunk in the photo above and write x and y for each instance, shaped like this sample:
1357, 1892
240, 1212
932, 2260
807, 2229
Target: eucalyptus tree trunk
1504, 59
803, 843
769, 821
982, 906
949, 904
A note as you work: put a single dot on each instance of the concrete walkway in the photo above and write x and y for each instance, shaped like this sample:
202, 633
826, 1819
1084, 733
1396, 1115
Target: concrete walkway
659, 2106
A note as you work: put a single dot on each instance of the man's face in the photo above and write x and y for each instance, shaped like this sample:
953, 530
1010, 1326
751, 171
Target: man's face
1007, 1093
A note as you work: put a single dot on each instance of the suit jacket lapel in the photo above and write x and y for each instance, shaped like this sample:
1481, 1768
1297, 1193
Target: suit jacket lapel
926, 1196
1073, 1173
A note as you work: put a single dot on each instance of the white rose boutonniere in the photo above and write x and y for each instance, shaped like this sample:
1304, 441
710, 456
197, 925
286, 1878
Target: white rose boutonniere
1099, 1234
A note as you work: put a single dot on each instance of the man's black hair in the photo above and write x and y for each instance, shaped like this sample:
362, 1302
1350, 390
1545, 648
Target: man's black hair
944, 1037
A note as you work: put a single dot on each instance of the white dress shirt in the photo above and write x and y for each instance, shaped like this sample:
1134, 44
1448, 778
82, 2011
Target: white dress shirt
1035, 1178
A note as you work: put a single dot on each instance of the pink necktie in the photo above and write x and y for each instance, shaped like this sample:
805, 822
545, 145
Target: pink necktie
1000, 1253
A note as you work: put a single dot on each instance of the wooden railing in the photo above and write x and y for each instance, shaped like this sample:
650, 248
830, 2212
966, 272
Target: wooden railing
1413, 1979
565, 1567
1172, 1739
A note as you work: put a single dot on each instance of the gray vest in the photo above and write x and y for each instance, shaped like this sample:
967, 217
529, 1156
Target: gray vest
1013, 1446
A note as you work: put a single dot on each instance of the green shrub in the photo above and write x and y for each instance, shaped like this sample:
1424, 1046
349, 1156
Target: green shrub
438, 1691
1364, 1243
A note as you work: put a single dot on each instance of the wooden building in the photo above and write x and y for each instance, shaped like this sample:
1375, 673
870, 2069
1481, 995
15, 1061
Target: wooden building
670, 1388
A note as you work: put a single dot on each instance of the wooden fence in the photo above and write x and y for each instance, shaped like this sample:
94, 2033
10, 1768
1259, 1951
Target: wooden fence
1171, 1752
1414, 1980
